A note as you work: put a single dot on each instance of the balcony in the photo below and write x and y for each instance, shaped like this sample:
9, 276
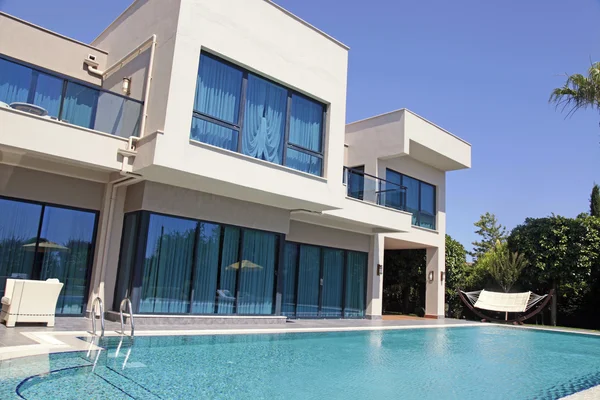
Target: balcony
50, 96
371, 189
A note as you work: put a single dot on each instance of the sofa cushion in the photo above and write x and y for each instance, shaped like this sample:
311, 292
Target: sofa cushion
5, 300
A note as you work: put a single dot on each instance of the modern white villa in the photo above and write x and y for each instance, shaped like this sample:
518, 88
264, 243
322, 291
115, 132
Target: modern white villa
195, 158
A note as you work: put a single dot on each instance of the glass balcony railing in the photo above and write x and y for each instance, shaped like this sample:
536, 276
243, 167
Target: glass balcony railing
374, 190
379, 191
68, 101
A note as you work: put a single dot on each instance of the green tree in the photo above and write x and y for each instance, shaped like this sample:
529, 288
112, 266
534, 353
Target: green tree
595, 201
490, 231
579, 91
503, 265
456, 269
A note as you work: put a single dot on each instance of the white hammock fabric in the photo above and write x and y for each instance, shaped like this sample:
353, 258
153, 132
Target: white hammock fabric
505, 302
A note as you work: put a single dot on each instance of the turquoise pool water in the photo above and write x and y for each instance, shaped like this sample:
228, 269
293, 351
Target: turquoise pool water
439, 363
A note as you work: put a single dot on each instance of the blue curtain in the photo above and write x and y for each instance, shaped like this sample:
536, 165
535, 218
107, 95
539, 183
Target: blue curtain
308, 281
427, 202
290, 266
79, 106
126, 258
168, 265
207, 264
257, 274
19, 224
304, 162
306, 123
64, 253
15, 83
229, 267
264, 120
216, 135
333, 283
48, 93
218, 90
356, 284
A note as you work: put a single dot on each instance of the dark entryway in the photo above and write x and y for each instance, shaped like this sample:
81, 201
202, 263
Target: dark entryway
404, 282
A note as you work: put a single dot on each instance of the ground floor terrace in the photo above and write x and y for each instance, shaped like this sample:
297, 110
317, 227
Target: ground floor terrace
183, 253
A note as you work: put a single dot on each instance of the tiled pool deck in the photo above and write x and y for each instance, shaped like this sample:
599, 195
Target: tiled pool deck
29, 340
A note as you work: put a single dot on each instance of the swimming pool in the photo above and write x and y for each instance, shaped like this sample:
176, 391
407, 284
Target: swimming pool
436, 363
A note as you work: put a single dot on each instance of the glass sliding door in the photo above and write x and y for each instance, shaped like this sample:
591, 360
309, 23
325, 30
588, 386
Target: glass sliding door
356, 284
204, 289
309, 278
19, 225
333, 283
64, 252
230, 256
257, 272
289, 271
126, 258
168, 265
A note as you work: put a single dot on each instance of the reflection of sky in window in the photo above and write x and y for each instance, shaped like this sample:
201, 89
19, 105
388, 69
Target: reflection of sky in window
20, 220
170, 225
61, 225
209, 232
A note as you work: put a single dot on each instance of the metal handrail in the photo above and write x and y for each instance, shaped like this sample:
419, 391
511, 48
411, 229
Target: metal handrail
127, 302
357, 172
97, 301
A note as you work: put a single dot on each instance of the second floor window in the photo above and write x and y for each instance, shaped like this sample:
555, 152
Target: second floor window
419, 199
240, 111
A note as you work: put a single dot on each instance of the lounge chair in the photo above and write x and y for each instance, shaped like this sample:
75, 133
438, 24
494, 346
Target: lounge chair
30, 301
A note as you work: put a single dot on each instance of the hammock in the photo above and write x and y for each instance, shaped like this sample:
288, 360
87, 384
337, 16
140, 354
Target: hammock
505, 302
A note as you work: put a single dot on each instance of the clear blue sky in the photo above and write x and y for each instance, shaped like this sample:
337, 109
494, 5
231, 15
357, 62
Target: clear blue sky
481, 69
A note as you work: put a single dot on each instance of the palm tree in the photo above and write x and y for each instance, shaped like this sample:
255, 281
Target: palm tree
579, 91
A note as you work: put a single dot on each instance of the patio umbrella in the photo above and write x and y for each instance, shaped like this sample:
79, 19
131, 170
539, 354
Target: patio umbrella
44, 246
245, 265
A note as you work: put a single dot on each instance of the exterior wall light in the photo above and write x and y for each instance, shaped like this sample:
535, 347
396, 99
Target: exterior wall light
379, 269
126, 87
442, 276
430, 276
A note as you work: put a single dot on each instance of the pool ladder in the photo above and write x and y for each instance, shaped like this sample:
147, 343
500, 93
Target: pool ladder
97, 302
127, 303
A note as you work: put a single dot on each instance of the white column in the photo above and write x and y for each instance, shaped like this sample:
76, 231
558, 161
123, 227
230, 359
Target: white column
435, 289
374, 281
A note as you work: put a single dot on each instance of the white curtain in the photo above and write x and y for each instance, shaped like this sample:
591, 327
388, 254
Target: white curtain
264, 120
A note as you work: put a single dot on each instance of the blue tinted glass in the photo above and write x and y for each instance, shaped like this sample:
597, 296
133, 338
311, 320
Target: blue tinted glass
303, 162
306, 123
308, 281
19, 224
48, 93
218, 90
207, 266
15, 82
427, 215
333, 283
226, 295
126, 258
264, 120
66, 239
168, 265
290, 266
79, 106
412, 196
257, 273
392, 195
216, 135
356, 182
356, 274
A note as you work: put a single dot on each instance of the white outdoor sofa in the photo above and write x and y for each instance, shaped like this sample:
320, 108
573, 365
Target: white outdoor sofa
30, 301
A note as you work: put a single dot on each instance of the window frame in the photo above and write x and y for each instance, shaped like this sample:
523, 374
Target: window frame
239, 127
420, 210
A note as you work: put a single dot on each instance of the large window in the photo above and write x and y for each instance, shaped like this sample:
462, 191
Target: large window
321, 282
240, 111
420, 199
39, 241
65, 100
186, 266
